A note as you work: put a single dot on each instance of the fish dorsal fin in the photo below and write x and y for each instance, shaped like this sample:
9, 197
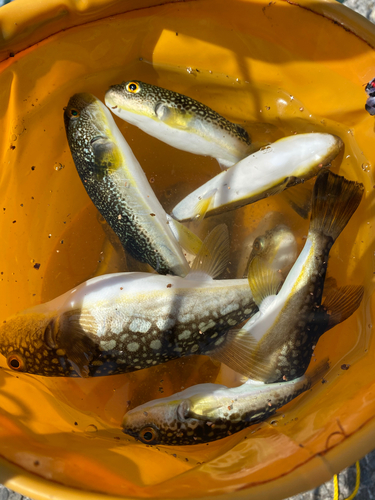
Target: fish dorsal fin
263, 280
186, 238
239, 352
341, 303
213, 256
73, 339
299, 198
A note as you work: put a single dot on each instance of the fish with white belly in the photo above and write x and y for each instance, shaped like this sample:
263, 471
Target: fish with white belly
277, 343
118, 187
208, 412
271, 170
179, 120
124, 322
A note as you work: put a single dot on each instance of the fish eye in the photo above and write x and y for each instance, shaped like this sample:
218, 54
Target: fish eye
15, 362
74, 113
258, 244
133, 87
148, 435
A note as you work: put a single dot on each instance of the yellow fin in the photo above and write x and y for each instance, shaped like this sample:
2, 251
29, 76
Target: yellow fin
172, 116
342, 303
299, 198
239, 352
186, 238
108, 157
263, 280
213, 256
204, 204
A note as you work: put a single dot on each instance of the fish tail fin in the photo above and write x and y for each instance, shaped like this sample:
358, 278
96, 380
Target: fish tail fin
317, 373
213, 256
341, 303
335, 199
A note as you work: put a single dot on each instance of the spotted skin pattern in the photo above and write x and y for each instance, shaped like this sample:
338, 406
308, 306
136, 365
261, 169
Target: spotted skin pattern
118, 187
119, 335
179, 112
208, 415
284, 332
290, 359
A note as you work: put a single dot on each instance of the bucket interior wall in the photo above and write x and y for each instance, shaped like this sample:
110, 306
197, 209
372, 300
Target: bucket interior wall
276, 69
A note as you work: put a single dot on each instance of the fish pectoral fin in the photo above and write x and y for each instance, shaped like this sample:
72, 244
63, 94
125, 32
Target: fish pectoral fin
299, 198
171, 116
340, 304
263, 280
203, 205
107, 156
213, 256
186, 238
203, 410
239, 352
79, 347
162, 111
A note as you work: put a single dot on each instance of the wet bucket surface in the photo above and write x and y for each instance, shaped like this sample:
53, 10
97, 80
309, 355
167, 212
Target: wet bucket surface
275, 63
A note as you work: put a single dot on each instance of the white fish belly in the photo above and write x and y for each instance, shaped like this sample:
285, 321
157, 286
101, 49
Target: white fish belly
293, 156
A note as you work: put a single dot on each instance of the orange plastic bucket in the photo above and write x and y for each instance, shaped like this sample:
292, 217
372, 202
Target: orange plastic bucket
299, 66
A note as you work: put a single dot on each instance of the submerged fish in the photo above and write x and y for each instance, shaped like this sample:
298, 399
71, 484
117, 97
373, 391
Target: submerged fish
277, 247
277, 343
117, 185
271, 170
207, 412
128, 321
180, 121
